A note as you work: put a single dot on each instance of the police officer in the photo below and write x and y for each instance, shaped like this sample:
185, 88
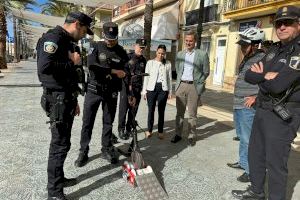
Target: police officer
106, 61
56, 60
277, 117
130, 95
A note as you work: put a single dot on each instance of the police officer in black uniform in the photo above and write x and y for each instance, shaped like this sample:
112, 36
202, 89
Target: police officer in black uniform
106, 61
56, 62
130, 95
277, 117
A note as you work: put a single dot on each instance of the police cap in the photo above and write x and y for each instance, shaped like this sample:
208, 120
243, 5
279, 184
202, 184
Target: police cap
82, 18
141, 42
287, 12
110, 31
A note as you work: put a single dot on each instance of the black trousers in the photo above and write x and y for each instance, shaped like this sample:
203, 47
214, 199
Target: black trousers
60, 144
92, 102
269, 147
161, 97
126, 110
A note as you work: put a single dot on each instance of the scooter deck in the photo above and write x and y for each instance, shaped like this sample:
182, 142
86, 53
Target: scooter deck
149, 184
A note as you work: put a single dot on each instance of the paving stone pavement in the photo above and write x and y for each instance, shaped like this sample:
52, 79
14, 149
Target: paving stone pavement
191, 173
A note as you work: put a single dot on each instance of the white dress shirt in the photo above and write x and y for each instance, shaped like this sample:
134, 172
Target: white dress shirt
188, 69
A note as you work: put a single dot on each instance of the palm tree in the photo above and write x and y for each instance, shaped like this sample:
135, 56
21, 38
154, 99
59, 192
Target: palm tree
200, 21
4, 10
57, 8
148, 26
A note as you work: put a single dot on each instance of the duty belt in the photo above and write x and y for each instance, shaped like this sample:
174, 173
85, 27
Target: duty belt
50, 91
97, 88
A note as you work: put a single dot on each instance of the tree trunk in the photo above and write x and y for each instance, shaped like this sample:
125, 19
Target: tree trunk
3, 31
200, 21
15, 40
148, 26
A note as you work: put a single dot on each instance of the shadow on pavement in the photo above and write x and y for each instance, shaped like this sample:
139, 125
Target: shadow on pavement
155, 153
99, 183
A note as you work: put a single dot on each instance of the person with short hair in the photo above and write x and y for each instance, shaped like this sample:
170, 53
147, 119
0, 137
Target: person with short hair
56, 60
130, 95
192, 68
106, 60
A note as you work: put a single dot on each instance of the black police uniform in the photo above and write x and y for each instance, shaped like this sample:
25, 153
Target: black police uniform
134, 68
102, 88
271, 136
57, 74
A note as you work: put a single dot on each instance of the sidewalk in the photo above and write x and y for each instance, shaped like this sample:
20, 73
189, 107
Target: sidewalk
191, 173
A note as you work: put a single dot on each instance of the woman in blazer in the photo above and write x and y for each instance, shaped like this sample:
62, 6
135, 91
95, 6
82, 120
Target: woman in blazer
157, 87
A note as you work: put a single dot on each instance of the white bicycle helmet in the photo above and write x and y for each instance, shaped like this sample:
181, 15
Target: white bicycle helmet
251, 35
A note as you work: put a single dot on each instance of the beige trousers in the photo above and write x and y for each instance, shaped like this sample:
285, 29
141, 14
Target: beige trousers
186, 96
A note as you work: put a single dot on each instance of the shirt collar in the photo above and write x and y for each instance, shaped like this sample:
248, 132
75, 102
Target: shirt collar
190, 52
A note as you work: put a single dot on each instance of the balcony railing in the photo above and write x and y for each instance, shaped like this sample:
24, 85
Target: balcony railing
230, 5
210, 13
127, 7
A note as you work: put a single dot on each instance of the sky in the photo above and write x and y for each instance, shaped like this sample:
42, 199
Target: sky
36, 9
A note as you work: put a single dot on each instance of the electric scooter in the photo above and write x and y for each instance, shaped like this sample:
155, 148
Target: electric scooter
136, 172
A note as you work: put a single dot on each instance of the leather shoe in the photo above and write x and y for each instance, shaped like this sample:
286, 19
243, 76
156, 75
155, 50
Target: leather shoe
191, 142
81, 160
235, 165
244, 178
68, 182
176, 139
58, 197
247, 194
123, 135
114, 139
160, 136
110, 155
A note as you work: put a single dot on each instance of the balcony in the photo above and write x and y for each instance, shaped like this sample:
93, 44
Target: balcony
135, 8
210, 14
242, 9
127, 7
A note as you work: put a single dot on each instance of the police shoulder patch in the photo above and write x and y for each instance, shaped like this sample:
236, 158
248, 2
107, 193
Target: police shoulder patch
295, 62
50, 47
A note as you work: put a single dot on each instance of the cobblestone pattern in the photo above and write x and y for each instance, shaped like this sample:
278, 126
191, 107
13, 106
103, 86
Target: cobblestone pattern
190, 173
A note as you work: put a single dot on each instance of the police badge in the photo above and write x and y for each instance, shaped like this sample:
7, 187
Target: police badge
295, 62
102, 57
50, 47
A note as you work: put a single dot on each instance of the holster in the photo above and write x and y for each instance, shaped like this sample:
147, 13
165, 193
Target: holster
55, 105
58, 110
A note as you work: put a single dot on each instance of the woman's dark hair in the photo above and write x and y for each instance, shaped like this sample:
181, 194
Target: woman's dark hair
162, 46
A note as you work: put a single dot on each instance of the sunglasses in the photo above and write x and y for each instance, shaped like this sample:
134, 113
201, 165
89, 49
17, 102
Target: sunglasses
285, 22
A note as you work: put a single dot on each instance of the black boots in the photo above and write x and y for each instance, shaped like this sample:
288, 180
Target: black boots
82, 159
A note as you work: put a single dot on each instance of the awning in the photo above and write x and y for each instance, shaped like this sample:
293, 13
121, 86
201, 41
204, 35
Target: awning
96, 3
40, 18
164, 25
